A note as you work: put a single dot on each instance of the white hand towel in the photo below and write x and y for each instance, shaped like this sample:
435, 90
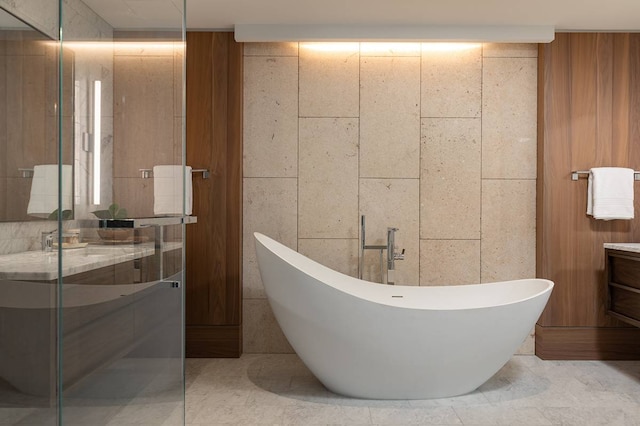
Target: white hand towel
167, 190
610, 193
44, 190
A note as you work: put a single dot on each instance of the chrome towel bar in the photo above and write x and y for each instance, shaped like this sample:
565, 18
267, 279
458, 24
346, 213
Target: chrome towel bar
577, 173
148, 173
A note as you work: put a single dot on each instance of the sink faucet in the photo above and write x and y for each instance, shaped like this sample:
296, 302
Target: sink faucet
392, 255
47, 240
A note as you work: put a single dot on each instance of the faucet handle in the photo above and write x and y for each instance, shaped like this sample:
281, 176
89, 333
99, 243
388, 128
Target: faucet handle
398, 256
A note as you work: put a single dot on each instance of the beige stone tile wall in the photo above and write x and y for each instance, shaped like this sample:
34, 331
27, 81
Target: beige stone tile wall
441, 144
270, 129
450, 178
270, 206
329, 81
451, 81
328, 178
390, 117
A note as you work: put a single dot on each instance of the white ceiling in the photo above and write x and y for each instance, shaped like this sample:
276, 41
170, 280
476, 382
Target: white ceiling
563, 15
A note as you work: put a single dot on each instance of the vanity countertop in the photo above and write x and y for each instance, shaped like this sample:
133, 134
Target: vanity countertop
43, 266
632, 247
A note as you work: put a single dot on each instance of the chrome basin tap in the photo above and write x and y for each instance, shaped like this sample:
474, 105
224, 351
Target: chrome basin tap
47, 240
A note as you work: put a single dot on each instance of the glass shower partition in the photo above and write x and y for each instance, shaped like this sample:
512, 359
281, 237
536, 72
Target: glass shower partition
121, 280
91, 238
29, 151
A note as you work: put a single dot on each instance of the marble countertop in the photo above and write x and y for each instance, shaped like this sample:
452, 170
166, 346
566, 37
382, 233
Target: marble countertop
42, 266
632, 247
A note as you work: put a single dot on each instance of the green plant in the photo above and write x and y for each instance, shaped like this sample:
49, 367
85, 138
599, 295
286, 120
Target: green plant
113, 212
66, 214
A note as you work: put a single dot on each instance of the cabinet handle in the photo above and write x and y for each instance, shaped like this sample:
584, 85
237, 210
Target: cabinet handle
170, 284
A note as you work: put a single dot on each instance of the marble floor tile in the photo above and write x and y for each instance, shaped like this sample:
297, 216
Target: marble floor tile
326, 415
150, 413
492, 415
526, 391
571, 416
279, 389
415, 416
239, 415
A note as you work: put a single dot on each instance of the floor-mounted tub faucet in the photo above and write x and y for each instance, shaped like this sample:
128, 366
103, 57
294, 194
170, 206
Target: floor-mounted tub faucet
392, 255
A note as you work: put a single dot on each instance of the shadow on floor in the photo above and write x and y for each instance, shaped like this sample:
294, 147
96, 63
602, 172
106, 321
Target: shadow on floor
288, 377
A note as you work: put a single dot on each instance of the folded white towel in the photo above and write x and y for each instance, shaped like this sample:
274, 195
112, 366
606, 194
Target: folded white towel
167, 190
610, 193
44, 190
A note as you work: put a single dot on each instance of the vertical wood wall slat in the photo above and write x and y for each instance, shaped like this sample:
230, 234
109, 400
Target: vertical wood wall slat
199, 133
214, 141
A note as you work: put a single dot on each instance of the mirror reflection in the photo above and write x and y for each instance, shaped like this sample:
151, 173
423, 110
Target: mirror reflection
29, 124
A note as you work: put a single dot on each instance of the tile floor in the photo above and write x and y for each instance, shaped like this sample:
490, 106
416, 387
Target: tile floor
279, 389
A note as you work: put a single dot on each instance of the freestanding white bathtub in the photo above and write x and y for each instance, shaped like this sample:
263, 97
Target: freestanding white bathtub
367, 340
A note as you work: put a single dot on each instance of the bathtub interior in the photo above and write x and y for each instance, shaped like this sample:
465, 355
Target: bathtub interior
454, 297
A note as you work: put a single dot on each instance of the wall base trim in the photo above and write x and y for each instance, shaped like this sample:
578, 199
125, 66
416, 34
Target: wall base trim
213, 341
587, 343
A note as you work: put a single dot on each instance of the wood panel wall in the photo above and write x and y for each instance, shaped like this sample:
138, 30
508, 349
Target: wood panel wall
214, 245
588, 116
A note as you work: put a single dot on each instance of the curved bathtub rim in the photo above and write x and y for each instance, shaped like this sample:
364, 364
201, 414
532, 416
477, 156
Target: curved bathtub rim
299, 260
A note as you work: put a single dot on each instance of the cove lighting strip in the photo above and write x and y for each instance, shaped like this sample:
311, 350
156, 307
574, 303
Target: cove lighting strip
380, 33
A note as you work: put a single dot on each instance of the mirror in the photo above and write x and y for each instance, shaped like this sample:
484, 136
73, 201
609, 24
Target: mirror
29, 121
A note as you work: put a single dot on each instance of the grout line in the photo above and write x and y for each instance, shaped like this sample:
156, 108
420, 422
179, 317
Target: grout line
420, 168
449, 239
329, 238
325, 116
298, 154
389, 178
481, 150
359, 158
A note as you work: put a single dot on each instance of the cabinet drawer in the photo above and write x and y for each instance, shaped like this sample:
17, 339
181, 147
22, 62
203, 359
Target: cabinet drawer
625, 302
624, 271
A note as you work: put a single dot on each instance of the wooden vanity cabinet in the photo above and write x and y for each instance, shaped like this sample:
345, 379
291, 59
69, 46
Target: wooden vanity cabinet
623, 285
97, 333
143, 269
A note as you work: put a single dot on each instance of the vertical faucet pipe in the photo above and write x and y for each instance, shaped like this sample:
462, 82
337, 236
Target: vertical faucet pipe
361, 257
391, 244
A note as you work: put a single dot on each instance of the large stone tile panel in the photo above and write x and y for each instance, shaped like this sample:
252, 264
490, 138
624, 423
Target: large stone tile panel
389, 117
328, 178
329, 81
269, 207
270, 120
450, 178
